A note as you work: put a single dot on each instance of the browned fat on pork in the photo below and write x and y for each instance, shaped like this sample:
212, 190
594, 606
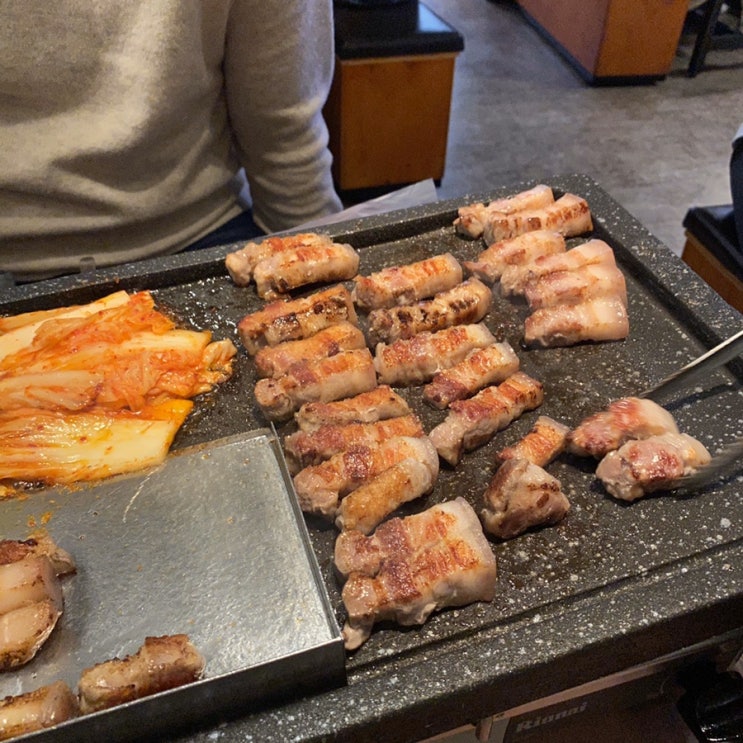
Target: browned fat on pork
569, 215
543, 442
599, 320
624, 419
413, 566
577, 285
466, 303
398, 285
480, 368
304, 448
377, 404
522, 496
297, 318
273, 361
515, 251
471, 219
38, 545
37, 710
647, 465
416, 360
342, 375
470, 423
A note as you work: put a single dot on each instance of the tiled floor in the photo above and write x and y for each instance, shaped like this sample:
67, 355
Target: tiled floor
520, 111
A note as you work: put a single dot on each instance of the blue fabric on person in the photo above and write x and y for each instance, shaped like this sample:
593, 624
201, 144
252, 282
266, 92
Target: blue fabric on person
239, 229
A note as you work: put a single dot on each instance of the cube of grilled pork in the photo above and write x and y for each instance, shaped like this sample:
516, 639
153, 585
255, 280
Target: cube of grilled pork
377, 404
480, 368
646, 465
576, 285
544, 441
416, 360
569, 215
398, 285
413, 566
471, 219
515, 251
472, 422
467, 302
624, 419
347, 373
520, 496
37, 710
161, 663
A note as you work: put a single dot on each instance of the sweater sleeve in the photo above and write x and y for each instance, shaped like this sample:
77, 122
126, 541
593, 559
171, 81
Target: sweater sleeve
278, 67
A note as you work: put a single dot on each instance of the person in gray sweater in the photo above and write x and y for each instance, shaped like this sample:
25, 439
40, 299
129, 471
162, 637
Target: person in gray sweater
125, 126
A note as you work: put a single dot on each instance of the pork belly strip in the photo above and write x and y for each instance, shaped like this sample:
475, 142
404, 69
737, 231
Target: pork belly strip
413, 566
366, 507
297, 318
520, 496
37, 710
466, 303
646, 465
377, 404
471, 219
322, 380
600, 319
569, 215
545, 440
398, 285
515, 278
576, 285
241, 263
515, 251
416, 360
307, 264
25, 629
273, 361
161, 663
40, 544
320, 487
304, 448
472, 422
480, 368
624, 419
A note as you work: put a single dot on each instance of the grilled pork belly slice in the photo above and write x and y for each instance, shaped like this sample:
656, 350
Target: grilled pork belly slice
599, 320
521, 496
344, 374
27, 581
480, 368
370, 504
297, 318
624, 419
546, 439
398, 285
37, 545
37, 710
515, 251
646, 465
273, 361
307, 264
578, 285
416, 360
467, 302
413, 566
569, 215
320, 487
161, 663
470, 423
25, 629
471, 219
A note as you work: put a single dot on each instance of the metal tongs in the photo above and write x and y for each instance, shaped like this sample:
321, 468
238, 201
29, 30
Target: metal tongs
719, 355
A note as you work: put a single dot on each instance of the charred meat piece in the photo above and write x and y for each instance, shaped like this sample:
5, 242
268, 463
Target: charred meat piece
578, 285
417, 360
480, 368
413, 566
646, 465
398, 285
546, 439
473, 422
624, 419
24, 630
347, 373
37, 710
380, 403
161, 663
297, 318
467, 302
37, 545
520, 496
